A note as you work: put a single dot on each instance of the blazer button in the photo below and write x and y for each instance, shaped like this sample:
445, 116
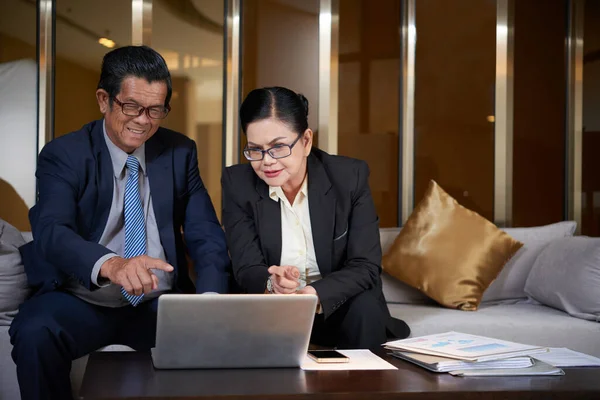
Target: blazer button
55, 283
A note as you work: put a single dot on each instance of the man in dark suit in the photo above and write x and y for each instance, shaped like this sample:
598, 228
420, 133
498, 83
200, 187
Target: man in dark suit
114, 198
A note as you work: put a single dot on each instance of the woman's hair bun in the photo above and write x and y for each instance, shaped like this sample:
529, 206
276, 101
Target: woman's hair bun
304, 102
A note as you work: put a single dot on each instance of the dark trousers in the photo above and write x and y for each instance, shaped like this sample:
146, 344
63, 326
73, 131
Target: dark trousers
55, 328
360, 323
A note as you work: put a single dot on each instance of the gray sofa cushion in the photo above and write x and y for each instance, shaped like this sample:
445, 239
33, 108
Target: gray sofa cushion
566, 276
28, 236
387, 237
523, 323
9, 388
13, 281
509, 286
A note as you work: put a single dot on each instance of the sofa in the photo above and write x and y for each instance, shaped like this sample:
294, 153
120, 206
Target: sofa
505, 312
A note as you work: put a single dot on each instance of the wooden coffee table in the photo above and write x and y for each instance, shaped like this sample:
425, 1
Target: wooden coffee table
131, 375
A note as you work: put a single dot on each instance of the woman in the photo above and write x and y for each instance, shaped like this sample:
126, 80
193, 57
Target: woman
297, 215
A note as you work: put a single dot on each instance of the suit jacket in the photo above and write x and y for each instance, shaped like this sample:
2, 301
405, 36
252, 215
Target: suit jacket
345, 228
75, 185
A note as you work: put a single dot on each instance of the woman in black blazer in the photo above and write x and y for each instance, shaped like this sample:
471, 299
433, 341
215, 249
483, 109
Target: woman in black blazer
298, 220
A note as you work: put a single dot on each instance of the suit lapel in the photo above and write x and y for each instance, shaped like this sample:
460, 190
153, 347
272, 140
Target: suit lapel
268, 217
158, 161
322, 204
104, 181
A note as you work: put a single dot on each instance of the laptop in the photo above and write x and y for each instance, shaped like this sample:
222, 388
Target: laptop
232, 330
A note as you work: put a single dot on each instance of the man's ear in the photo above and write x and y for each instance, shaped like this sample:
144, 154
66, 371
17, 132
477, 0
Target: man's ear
103, 100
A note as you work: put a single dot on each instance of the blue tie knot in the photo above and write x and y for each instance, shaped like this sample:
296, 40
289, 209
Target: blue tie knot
133, 164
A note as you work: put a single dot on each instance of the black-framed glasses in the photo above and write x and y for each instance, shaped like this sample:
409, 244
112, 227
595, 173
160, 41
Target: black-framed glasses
277, 151
135, 110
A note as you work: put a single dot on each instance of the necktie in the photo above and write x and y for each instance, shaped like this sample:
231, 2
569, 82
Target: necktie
135, 227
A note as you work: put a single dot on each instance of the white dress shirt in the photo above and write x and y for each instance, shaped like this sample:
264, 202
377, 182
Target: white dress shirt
297, 246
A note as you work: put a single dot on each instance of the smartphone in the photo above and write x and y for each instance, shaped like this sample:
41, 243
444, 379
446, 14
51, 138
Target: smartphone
327, 356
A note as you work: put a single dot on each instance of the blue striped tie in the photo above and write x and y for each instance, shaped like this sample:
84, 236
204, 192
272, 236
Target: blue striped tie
135, 227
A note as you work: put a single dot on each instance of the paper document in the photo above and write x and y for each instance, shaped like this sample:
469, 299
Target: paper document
359, 360
443, 364
563, 357
464, 346
539, 368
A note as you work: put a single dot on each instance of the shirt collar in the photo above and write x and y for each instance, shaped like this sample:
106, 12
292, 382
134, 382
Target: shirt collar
276, 193
119, 157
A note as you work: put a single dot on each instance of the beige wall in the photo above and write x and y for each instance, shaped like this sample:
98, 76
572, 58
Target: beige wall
368, 96
13, 208
177, 119
281, 48
288, 51
454, 94
14, 49
75, 96
184, 118
208, 138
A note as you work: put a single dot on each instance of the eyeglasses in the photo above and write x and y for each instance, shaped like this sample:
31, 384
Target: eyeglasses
277, 151
135, 110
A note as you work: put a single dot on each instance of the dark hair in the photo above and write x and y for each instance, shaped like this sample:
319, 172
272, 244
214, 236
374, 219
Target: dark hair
277, 102
139, 61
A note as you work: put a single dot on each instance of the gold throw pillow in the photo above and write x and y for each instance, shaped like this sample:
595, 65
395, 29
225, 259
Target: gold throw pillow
450, 253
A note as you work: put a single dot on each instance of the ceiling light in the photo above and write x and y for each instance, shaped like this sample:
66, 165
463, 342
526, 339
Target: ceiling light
106, 42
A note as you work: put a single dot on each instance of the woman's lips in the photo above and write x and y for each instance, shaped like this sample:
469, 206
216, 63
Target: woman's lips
272, 174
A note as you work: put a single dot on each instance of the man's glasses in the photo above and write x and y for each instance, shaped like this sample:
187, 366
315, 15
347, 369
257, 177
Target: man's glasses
277, 151
135, 110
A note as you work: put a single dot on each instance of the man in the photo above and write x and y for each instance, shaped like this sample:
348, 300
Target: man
114, 198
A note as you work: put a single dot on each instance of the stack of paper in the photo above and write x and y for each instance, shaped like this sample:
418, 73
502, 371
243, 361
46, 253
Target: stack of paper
471, 355
538, 368
443, 364
463, 346
562, 357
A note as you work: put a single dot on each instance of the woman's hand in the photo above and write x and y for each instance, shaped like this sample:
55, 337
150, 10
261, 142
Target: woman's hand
307, 290
311, 290
284, 278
